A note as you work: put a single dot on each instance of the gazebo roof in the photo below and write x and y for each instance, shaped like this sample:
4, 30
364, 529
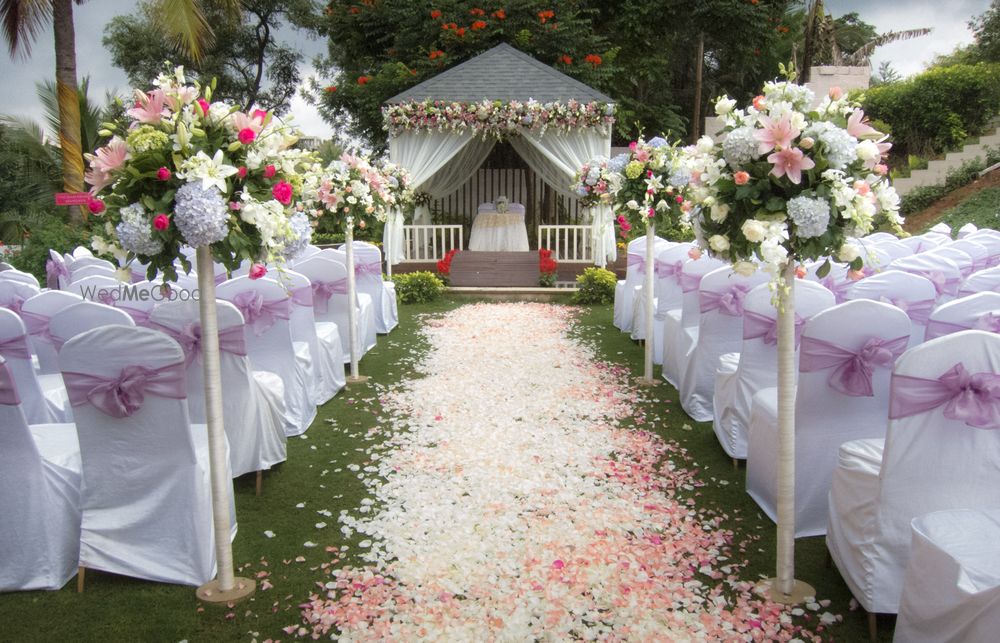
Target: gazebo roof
502, 73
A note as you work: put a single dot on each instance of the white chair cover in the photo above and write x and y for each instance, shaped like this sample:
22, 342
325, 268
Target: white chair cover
951, 589
980, 254
78, 318
967, 229
942, 271
720, 331
965, 263
669, 263
922, 242
941, 228
329, 276
366, 316
18, 276
13, 294
927, 462
880, 237
979, 310
875, 259
984, 280
893, 248
625, 289
103, 288
37, 312
57, 270
81, 252
327, 357
680, 326
37, 407
913, 294
990, 239
736, 383
39, 498
269, 345
368, 280
251, 407
639, 298
825, 416
836, 280
147, 510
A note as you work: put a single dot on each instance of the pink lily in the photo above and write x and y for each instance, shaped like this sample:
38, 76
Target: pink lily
149, 108
776, 134
857, 128
241, 121
97, 179
790, 162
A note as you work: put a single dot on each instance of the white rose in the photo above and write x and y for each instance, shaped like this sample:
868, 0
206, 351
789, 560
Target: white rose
724, 105
798, 120
632, 205
753, 230
719, 212
705, 144
771, 251
744, 268
718, 243
848, 253
868, 151
708, 201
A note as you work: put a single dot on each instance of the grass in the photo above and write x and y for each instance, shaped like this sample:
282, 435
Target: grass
982, 209
120, 609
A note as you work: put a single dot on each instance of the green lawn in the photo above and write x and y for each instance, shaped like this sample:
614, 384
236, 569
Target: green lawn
982, 209
317, 476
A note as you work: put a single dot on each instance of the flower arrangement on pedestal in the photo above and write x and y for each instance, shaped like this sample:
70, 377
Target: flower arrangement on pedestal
790, 182
351, 190
401, 195
180, 169
597, 180
547, 267
653, 189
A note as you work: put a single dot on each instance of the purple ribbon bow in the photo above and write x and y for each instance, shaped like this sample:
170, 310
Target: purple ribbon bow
688, 281
106, 297
37, 325
664, 269
973, 399
372, 268
140, 317
13, 303
938, 328
54, 270
757, 325
852, 374
259, 314
302, 296
15, 347
728, 301
918, 311
638, 262
122, 396
231, 340
8, 390
943, 284
838, 288
323, 290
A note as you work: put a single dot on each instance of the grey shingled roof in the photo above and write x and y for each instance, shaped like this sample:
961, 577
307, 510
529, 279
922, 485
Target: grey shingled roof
502, 73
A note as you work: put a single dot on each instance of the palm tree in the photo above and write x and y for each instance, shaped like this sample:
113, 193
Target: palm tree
184, 22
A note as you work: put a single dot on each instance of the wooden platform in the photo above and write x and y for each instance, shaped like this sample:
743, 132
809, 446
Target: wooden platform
491, 269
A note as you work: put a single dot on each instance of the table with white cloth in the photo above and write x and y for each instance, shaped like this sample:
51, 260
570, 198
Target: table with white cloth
499, 231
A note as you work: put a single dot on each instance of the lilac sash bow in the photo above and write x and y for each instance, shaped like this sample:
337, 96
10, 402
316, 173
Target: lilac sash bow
838, 288
757, 325
219, 278
688, 281
728, 301
852, 373
372, 268
122, 396
8, 390
638, 262
973, 399
15, 347
664, 269
37, 325
259, 314
943, 284
54, 270
13, 303
323, 290
106, 297
140, 317
918, 311
231, 340
987, 321
302, 296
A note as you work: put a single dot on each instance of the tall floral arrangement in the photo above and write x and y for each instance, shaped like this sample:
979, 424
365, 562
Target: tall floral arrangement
653, 189
597, 180
791, 182
401, 194
183, 170
351, 189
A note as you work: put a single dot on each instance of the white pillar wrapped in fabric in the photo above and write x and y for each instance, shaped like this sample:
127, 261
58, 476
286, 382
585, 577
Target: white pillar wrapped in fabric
352, 311
602, 235
647, 292
226, 587
784, 588
392, 240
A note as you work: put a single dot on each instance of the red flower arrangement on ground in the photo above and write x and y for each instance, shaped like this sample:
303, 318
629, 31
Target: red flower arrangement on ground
444, 265
547, 267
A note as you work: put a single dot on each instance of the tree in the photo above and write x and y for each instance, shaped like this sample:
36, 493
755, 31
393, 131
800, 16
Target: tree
251, 67
885, 75
986, 28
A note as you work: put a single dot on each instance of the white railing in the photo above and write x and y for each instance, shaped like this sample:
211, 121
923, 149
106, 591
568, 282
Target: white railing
568, 243
431, 242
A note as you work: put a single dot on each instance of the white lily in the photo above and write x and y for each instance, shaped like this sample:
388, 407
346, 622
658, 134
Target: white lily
212, 171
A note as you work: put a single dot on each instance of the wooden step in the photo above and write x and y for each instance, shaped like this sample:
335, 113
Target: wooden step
472, 268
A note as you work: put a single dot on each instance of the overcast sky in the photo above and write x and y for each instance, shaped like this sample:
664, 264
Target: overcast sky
948, 19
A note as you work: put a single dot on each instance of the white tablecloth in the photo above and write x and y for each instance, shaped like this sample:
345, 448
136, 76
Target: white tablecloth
494, 231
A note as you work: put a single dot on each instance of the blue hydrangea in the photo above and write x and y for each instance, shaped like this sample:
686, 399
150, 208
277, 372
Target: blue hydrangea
810, 215
657, 141
135, 231
739, 147
617, 164
839, 147
679, 178
201, 215
299, 237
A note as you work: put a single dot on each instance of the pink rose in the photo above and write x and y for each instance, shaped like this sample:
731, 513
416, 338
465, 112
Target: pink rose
282, 192
242, 172
161, 222
836, 93
269, 171
235, 205
741, 178
694, 253
257, 271
758, 103
800, 272
259, 115
679, 198
96, 206
247, 135
204, 105
652, 212
163, 174
881, 169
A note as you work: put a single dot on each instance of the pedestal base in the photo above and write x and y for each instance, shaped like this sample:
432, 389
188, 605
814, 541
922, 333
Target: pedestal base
642, 381
359, 379
210, 592
800, 592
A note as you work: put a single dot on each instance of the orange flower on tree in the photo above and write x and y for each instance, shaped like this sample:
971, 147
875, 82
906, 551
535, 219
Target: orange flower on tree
436, 14
593, 59
566, 60
545, 16
437, 53
477, 25
449, 25
500, 14
460, 32
331, 88
355, 10
476, 12
363, 80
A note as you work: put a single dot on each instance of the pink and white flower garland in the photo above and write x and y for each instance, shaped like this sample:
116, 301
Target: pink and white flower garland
495, 118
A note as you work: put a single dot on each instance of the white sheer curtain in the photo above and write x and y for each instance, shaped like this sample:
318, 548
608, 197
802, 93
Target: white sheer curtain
462, 166
556, 156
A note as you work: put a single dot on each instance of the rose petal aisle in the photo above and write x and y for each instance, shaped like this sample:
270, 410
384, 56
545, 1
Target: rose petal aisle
510, 502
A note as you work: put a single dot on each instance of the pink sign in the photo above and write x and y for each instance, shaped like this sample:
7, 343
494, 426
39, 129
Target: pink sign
72, 198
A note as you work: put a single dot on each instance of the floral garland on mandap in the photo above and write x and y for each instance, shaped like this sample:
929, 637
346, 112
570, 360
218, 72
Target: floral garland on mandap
790, 182
653, 189
181, 170
495, 118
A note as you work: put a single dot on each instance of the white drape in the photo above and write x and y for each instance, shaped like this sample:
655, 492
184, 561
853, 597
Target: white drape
456, 172
423, 153
602, 235
392, 237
